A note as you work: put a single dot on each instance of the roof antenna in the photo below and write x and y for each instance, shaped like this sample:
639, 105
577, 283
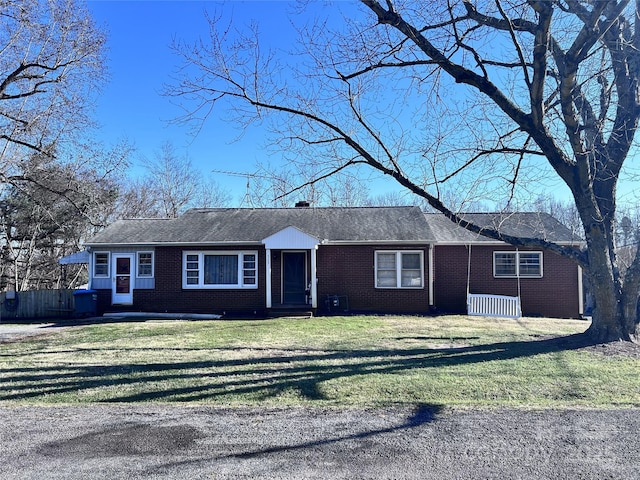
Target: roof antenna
247, 195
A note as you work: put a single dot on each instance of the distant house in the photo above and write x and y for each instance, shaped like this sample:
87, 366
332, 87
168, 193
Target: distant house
381, 259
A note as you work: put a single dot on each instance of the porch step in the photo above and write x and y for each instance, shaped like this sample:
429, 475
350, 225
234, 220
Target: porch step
292, 312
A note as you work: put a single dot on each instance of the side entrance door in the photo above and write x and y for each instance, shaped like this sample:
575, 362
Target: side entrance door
294, 278
122, 288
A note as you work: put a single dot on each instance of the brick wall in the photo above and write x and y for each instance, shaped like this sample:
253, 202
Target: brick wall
349, 271
168, 295
553, 295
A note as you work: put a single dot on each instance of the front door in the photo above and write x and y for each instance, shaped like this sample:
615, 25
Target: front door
122, 289
294, 278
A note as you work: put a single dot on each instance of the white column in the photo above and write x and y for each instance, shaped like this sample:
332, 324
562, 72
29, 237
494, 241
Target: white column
314, 278
430, 279
580, 292
268, 275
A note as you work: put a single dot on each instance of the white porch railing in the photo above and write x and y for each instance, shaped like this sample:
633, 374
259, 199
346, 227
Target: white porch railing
493, 306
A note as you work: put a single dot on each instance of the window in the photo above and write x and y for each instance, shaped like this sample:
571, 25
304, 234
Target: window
192, 269
220, 270
399, 269
145, 264
101, 264
504, 264
249, 269
514, 264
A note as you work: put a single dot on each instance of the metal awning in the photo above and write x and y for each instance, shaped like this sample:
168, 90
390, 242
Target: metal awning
78, 257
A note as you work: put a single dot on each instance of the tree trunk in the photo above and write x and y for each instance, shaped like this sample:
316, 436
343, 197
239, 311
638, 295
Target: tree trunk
615, 313
614, 323
608, 318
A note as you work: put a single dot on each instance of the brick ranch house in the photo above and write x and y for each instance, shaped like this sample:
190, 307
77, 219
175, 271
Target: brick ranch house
363, 259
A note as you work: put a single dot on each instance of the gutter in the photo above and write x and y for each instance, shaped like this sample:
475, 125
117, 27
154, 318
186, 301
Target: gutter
259, 244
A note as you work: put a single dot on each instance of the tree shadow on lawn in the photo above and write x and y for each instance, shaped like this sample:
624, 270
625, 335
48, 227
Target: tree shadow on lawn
260, 377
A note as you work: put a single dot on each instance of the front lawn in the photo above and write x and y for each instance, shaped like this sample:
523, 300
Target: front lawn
323, 361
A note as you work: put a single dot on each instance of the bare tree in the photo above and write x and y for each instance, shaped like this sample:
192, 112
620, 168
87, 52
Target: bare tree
492, 97
44, 220
211, 194
310, 182
51, 60
173, 178
170, 185
136, 199
51, 65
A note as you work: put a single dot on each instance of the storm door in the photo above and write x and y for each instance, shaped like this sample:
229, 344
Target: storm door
122, 288
294, 278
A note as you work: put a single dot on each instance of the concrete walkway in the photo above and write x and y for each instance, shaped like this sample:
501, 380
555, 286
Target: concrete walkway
10, 332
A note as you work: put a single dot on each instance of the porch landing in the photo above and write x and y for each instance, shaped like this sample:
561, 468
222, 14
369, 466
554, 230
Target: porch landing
292, 311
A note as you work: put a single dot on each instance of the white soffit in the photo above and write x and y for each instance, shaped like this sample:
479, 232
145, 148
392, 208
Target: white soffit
290, 238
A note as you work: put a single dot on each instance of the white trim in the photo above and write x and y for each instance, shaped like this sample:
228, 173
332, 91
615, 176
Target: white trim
431, 275
152, 253
517, 254
306, 270
143, 245
268, 285
122, 298
398, 268
290, 238
93, 264
493, 243
580, 292
413, 243
314, 277
254, 244
202, 286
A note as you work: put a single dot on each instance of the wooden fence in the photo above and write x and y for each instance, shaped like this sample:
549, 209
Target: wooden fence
36, 304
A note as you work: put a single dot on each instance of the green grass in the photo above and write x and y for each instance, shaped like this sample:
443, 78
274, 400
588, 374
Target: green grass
324, 361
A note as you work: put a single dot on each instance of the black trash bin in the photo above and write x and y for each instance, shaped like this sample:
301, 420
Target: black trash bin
86, 303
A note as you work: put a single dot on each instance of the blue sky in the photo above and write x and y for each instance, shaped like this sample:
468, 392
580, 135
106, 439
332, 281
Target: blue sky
140, 62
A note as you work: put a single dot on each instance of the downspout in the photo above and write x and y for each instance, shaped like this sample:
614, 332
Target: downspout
580, 292
90, 269
314, 278
431, 275
268, 279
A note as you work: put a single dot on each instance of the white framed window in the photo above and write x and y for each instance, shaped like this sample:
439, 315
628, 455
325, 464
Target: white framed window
220, 269
101, 264
517, 264
144, 264
399, 269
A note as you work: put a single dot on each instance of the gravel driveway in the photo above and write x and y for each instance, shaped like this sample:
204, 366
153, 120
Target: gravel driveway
198, 442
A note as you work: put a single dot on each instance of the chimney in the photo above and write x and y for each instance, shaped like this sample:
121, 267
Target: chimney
303, 204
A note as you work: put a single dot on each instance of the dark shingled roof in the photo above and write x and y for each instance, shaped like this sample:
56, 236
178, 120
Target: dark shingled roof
521, 224
336, 224
246, 225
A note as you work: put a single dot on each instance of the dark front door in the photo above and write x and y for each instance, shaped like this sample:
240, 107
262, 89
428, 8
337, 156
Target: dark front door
294, 278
